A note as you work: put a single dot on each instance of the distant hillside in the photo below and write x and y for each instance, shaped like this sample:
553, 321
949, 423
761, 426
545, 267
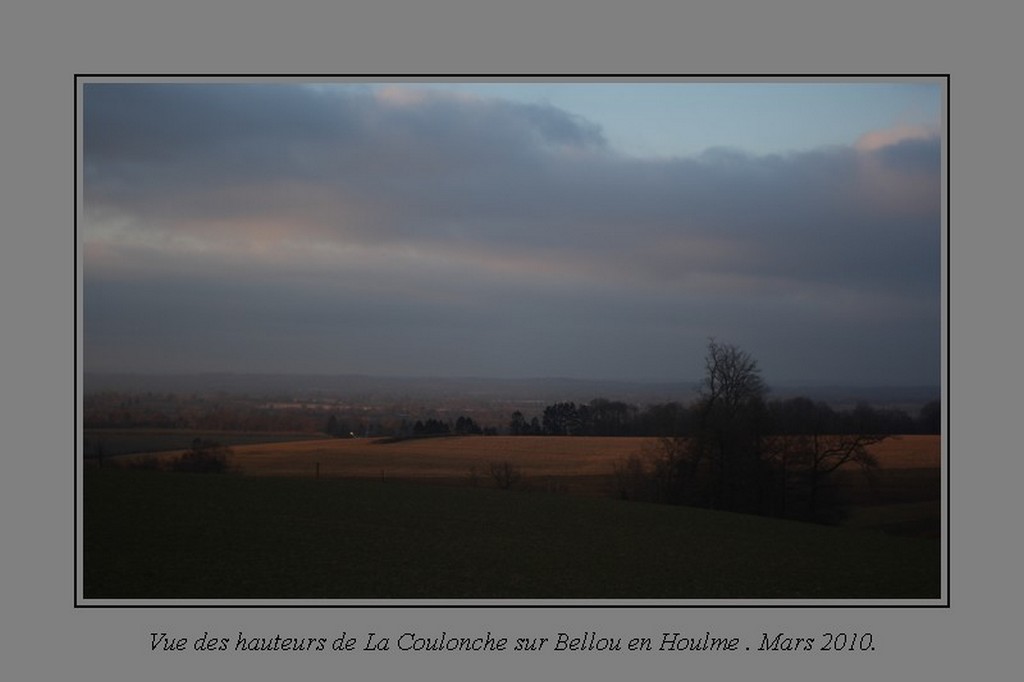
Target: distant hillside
909, 398
376, 388
373, 389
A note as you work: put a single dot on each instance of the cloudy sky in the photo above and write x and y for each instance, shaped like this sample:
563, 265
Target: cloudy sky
590, 230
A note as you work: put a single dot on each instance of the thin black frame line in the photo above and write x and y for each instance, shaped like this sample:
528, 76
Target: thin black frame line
949, 382
78, 77
75, 349
651, 78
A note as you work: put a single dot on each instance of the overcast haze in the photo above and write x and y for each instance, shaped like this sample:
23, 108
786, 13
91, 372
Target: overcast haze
519, 230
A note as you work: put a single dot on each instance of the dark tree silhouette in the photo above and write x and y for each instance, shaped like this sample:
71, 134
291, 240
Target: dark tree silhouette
518, 425
731, 418
561, 419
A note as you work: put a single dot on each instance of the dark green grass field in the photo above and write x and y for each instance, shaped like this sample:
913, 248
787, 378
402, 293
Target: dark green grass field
158, 535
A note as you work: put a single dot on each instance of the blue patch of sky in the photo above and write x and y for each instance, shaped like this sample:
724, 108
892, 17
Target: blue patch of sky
661, 119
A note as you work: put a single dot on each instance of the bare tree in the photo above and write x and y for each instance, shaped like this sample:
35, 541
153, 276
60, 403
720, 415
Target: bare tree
506, 475
727, 442
808, 460
732, 378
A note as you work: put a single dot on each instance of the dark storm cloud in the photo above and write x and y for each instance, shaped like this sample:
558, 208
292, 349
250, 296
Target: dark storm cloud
145, 143
383, 217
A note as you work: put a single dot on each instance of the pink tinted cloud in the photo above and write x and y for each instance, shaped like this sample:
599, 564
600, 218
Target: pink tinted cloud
878, 139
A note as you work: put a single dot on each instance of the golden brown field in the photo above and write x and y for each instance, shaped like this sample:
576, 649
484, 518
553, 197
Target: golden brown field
909, 452
903, 496
455, 457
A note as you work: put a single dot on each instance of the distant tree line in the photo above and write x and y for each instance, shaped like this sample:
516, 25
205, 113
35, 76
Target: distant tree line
191, 412
603, 417
463, 426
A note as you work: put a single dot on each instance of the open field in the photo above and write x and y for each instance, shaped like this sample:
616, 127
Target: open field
902, 498
441, 458
909, 465
908, 452
454, 457
160, 535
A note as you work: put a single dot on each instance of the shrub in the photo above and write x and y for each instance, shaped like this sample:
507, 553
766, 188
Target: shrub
507, 476
204, 457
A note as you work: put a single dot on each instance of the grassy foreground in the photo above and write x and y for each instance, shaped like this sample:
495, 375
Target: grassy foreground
161, 535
